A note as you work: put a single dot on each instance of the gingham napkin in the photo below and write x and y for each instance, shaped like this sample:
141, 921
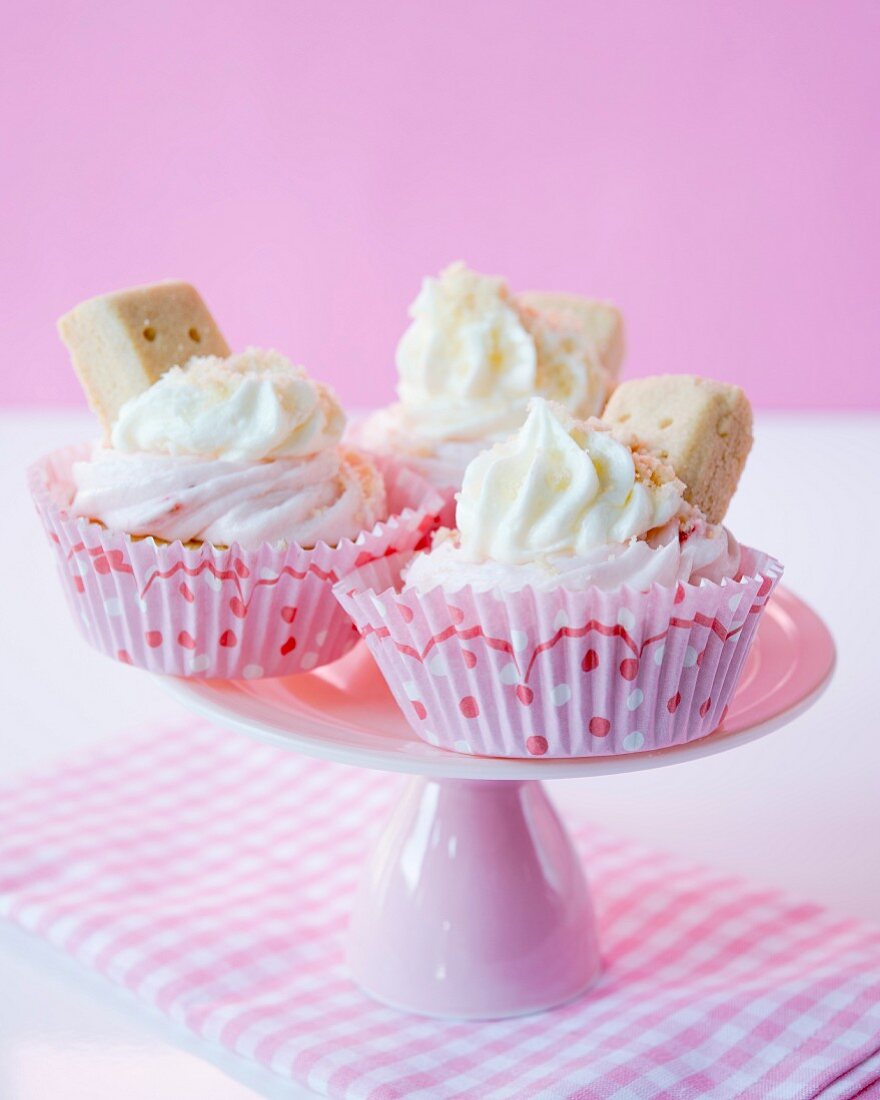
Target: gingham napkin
212, 877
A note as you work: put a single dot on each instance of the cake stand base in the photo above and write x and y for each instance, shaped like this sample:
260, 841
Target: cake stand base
473, 904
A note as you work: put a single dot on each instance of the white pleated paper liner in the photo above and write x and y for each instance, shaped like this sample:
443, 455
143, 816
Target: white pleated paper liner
561, 673
203, 611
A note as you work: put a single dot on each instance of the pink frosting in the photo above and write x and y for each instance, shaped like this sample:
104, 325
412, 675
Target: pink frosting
666, 557
325, 497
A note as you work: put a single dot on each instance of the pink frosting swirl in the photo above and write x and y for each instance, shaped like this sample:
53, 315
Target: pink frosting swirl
326, 497
666, 557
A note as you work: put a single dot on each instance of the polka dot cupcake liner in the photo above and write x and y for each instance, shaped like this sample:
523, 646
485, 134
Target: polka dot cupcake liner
560, 673
202, 611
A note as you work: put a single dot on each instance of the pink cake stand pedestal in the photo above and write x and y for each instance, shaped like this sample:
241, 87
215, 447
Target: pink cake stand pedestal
473, 903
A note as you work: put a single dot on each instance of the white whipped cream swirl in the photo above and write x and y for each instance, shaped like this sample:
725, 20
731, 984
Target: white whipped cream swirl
466, 352
563, 503
241, 450
557, 487
252, 406
471, 360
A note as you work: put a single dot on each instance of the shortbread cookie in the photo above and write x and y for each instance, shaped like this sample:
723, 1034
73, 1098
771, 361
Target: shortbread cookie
702, 428
120, 343
601, 321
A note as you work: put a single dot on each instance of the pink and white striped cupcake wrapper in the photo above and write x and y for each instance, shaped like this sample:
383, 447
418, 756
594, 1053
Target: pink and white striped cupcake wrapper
560, 673
208, 612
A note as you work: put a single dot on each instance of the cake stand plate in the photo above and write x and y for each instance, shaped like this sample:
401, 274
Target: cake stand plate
474, 903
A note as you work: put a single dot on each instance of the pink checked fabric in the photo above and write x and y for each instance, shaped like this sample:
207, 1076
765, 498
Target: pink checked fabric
212, 877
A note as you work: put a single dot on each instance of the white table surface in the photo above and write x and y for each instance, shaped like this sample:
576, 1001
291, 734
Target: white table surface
799, 809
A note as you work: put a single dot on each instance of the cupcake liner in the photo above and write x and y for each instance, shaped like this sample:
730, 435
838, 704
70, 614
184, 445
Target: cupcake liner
435, 472
441, 474
203, 611
560, 673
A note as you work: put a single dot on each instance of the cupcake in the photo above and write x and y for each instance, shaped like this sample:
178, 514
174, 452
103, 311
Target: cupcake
582, 606
201, 536
473, 357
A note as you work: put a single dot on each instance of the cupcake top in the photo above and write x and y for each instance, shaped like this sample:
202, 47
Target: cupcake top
470, 361
564, 502
243, 408
241, 449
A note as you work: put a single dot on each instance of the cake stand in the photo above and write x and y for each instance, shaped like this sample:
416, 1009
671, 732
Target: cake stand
473, 903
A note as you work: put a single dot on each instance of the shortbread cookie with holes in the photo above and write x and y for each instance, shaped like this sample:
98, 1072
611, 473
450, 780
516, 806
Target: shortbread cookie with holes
123, 342
600, 322
201, 446
703, 429
243, 449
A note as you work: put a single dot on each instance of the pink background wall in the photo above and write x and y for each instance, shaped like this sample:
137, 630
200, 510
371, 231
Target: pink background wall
713, 167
